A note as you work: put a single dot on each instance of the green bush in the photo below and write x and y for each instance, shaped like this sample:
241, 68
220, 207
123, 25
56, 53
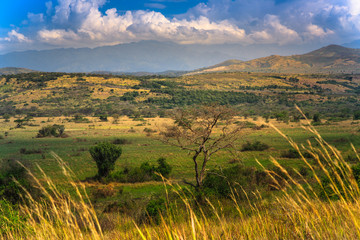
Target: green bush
121, 141
291, 153
223, 182
356, 115
105, 155
79, 119
54, 130
154, 208
103, 118
30, 151
254, 146
163, 168
146, 172
9, 190
316, 119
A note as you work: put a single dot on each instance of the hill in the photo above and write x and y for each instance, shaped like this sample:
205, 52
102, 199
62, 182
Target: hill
14, 70
57, 94
329, 59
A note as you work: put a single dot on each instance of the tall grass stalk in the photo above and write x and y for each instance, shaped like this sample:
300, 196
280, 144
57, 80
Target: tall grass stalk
57, 215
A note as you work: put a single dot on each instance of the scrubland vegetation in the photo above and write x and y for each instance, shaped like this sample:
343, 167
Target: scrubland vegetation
104, 157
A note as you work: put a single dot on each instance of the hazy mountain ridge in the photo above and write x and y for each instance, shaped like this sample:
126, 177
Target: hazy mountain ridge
152, 57
144, 56
14, 70
329, 59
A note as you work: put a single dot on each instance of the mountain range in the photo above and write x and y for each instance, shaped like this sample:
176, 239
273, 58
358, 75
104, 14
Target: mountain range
149, 57
143, 56
329, 59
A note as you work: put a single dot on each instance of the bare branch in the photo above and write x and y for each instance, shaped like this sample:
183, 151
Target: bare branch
197, 130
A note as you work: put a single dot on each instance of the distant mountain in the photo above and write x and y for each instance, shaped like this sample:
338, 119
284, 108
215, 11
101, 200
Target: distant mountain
144, 56
168, 73
330, 59
14, 70
353, 44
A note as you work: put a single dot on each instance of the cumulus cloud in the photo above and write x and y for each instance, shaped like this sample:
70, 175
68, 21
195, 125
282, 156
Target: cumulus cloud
80, 23
14, 36
70, 13
354, 7
314, 31
275, 32
113, 28
340, 19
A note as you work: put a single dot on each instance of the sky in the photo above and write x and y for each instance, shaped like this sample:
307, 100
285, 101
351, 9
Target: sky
48, 24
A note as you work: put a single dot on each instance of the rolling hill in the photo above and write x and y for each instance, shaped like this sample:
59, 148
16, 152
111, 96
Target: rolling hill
14, 70
329, 59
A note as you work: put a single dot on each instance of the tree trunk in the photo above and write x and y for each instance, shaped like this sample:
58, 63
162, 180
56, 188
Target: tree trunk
198, 182
203, 168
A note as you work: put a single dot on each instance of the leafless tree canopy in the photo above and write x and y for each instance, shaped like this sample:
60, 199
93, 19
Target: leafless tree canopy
202, 130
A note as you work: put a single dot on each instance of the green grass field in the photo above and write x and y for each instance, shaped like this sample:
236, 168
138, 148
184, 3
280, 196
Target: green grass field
141, 148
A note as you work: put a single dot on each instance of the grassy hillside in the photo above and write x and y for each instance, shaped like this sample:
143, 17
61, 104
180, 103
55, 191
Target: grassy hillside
56, 94
330, 59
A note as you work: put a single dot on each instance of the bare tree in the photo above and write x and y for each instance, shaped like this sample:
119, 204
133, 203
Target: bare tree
203, 131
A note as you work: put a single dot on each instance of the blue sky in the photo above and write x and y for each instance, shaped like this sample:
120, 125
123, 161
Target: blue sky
46, 24
13, 12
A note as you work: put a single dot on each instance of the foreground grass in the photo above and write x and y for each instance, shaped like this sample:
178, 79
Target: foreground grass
299, 213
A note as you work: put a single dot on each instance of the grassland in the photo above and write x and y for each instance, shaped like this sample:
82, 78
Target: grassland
292, 215
142, 148
56, 94
133, 106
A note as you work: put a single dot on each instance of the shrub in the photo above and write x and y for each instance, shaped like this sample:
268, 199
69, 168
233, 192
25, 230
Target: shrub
105, 155
9, 190
103, 191
356, 115
154, 208
163, 168
316, 118
138, 174
54, 130
30, 151
222, 182
255, 146
79, 119
291, 153
103, 118
146, 172
121, 141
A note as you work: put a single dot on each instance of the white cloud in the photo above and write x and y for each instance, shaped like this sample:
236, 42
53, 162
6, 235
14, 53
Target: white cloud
58, 36
314, 31
354, 7
76, 8
79, 23
275, 32
14, 36
112, 28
